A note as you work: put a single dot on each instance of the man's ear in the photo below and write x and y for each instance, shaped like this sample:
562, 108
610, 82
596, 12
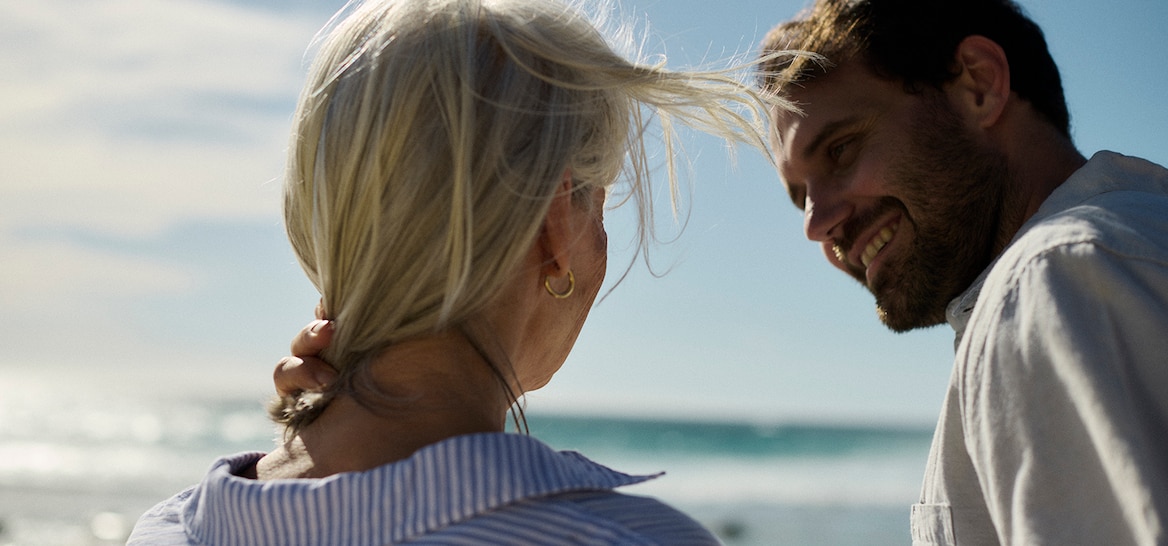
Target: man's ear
556, 237
982, 90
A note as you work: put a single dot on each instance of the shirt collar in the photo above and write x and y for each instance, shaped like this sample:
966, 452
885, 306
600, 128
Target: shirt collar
1105, 172
438, 485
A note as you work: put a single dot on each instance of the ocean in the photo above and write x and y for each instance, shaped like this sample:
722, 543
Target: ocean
79, 469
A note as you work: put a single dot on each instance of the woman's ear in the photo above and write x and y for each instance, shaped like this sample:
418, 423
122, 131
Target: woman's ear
558, 233
982, 90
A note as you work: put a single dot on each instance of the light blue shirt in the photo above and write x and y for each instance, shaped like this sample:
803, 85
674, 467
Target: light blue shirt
1055, 427
491, 488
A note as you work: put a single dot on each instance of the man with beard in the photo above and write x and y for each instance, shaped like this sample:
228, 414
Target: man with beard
933, 162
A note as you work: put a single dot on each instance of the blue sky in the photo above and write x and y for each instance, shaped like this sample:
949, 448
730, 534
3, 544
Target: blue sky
141, 148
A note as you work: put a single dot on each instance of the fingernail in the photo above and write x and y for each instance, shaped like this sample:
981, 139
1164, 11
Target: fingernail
318, 326
322, 378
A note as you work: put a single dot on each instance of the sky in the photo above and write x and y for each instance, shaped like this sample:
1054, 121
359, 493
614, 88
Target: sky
142, 253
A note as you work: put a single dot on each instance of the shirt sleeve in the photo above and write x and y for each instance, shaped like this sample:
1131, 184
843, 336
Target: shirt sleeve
162, 525
1064, 396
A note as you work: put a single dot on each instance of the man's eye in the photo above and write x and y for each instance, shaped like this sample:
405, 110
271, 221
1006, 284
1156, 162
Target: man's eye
836, 151
843, 153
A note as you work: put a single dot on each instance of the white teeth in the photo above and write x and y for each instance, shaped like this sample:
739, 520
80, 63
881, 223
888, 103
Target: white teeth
839, 253
877, 243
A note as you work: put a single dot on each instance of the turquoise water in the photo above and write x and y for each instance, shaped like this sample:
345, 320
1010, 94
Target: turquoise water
78, 470
737, 439
764, 483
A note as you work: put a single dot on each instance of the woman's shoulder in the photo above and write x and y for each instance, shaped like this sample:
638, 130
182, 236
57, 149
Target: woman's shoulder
557, 496
645, 517
603, 517
162, 524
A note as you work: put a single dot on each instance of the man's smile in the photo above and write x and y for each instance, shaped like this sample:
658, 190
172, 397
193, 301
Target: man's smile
857, 256
882, 237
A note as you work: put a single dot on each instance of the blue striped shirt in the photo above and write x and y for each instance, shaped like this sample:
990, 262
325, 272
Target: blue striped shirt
475, 489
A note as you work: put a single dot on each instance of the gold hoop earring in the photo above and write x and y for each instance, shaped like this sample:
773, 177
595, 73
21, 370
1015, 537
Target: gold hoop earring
560, 295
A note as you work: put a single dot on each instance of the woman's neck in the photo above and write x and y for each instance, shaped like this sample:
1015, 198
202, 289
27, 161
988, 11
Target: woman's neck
422, 391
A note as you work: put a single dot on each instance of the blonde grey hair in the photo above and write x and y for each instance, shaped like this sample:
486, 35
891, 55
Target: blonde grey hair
431, 137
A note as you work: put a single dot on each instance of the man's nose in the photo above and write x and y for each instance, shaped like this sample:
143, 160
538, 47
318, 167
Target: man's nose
824, 213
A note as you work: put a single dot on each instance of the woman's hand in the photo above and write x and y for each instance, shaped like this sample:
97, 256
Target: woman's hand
305, 371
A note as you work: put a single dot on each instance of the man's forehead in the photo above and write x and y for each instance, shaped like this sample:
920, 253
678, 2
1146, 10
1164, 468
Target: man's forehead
790, 127
811, 100
848, 92
784, 126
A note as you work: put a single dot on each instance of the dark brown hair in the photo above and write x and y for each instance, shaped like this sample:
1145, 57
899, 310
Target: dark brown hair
915, 41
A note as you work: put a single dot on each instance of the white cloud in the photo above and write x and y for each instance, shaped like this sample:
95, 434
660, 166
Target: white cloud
130, 115
54, 273
64, 301
119, 120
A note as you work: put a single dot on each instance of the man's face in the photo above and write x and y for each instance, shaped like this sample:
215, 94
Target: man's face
897, 189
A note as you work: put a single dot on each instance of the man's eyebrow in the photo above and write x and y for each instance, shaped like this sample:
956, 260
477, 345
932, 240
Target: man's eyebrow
826, 133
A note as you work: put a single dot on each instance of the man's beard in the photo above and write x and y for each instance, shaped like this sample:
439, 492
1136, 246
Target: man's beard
953, 192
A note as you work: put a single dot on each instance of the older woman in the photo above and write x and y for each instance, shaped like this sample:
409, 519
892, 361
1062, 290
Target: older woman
445, 191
